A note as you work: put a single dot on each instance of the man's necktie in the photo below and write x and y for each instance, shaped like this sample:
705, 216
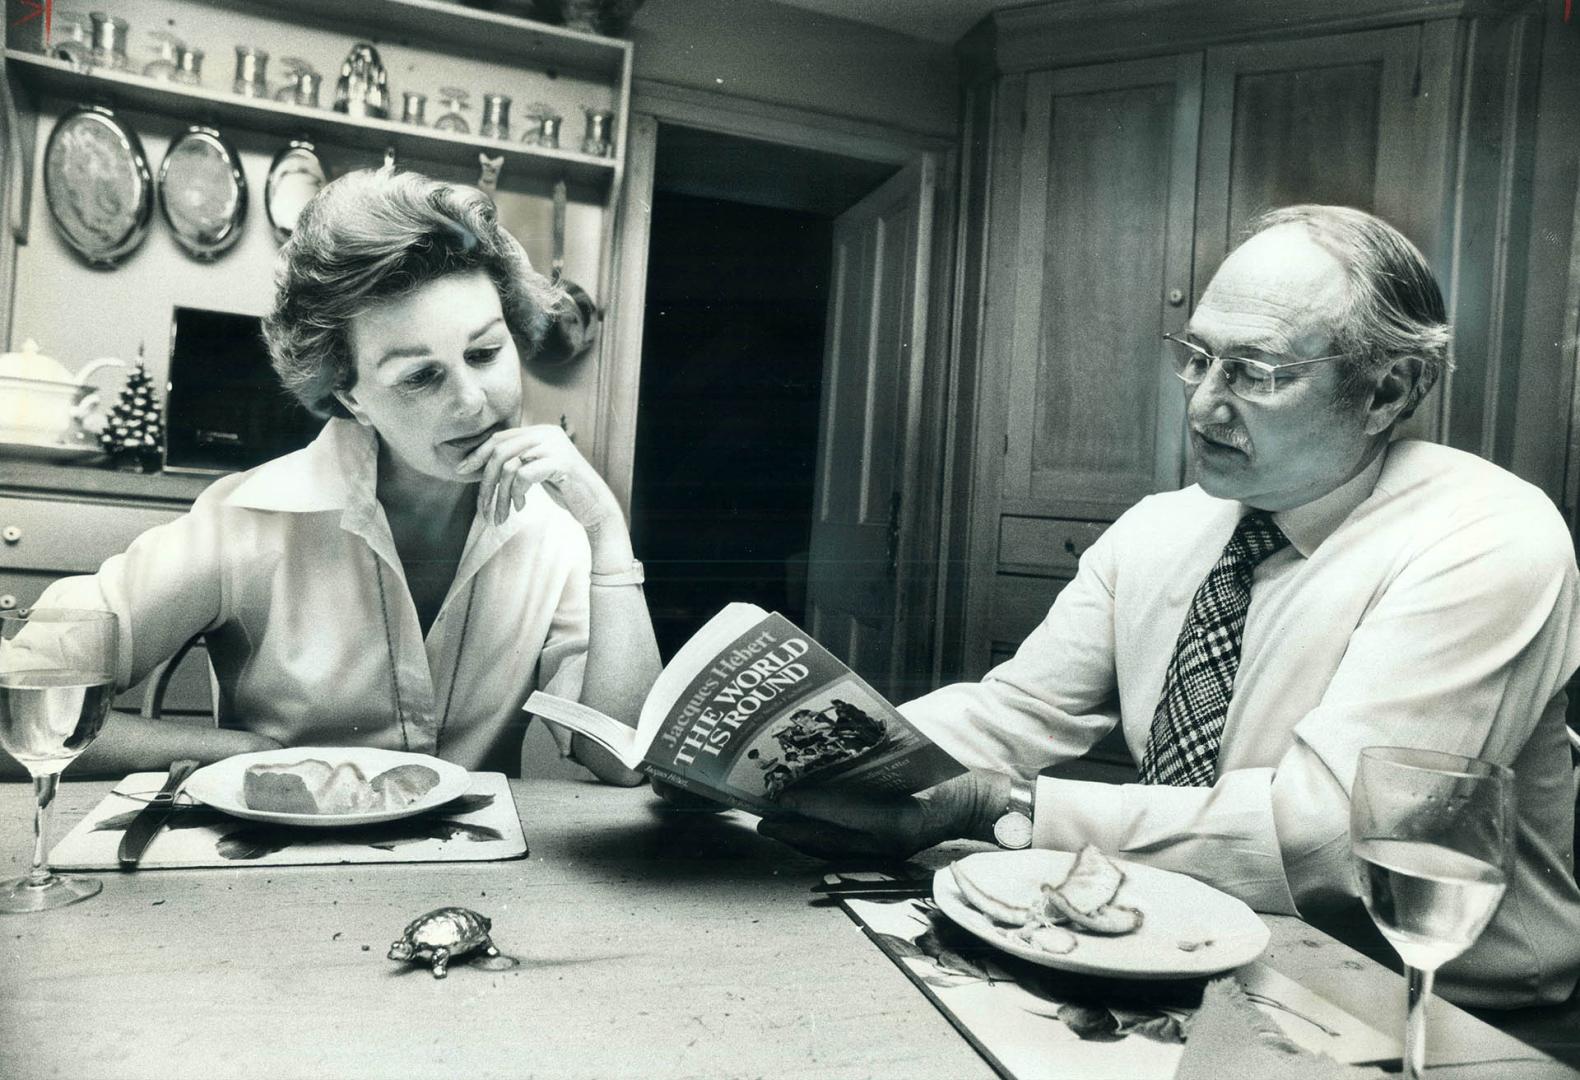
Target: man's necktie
1188, 725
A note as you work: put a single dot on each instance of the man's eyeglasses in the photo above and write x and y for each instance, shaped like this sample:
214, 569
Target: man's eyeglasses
1253, 380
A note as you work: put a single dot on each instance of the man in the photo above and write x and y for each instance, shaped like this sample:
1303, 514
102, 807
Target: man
1400, 593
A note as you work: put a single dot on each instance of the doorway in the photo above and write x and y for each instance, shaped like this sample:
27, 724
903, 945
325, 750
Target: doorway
738, 272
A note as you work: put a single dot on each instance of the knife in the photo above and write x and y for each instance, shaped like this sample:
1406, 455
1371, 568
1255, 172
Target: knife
151, 818
873, 883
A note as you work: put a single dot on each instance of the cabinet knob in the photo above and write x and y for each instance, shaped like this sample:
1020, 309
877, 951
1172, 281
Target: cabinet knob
11, 534
1176, 297
7, 602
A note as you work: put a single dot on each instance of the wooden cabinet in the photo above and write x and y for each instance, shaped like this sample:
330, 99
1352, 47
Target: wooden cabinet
1120, 180
1354, 119
1101, 268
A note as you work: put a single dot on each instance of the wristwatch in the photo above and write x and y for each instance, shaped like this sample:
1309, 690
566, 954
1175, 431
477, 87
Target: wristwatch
1012, 830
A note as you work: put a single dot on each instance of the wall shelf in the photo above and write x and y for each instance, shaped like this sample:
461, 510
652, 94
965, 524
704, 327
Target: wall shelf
47, 76
437, 23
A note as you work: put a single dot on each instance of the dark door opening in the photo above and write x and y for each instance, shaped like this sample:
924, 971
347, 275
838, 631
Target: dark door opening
726, 442
738, 277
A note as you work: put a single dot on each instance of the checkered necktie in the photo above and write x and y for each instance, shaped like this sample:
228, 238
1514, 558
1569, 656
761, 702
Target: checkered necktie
1183, 747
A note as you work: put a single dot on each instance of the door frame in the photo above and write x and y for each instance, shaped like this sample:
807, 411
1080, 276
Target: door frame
924, 516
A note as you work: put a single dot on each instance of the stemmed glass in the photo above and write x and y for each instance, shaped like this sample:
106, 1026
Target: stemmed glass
1433, 836
57, 680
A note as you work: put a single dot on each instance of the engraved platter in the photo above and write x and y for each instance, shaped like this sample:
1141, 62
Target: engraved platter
97, 184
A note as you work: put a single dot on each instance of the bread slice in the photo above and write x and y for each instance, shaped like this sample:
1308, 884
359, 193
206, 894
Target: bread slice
346, 792
403, 785
1006, 886
1086, 896
284, 789
310, 786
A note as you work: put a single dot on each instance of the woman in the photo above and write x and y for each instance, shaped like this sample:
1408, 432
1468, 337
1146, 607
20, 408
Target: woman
408, 578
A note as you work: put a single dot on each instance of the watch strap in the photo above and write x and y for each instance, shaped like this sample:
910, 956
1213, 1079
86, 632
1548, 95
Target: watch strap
1012, 829
1022, 796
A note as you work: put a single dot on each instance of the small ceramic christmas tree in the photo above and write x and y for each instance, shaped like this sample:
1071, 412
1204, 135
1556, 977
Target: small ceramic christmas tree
134, 430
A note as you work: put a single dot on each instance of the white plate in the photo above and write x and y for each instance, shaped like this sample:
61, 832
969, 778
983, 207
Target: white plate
1174, 909
220, 784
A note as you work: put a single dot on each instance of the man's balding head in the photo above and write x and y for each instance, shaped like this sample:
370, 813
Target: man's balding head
1394, 309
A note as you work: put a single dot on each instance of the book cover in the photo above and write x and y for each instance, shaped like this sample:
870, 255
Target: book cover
752, 706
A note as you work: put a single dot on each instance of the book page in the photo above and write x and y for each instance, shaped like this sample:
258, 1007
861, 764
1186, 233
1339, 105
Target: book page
606, 731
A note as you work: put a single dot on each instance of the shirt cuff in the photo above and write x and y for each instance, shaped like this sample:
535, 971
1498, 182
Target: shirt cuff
1070, 814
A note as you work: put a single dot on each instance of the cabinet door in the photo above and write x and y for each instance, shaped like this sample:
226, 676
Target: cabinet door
1353, 119
1102, 269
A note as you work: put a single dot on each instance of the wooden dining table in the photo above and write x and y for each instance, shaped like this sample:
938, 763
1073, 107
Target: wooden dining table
650, 943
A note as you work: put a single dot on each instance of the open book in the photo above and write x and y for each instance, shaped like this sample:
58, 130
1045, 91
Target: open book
752, 705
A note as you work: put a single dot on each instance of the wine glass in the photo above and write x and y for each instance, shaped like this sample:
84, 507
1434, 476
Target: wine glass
1433, 836
57, 679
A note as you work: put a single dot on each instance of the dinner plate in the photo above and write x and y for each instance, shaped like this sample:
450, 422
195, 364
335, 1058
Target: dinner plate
1217, 931
220, 785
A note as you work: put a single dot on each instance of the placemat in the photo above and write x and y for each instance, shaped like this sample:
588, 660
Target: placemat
480, 825
1029, 1021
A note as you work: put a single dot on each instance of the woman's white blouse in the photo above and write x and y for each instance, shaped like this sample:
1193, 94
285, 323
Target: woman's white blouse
280, 569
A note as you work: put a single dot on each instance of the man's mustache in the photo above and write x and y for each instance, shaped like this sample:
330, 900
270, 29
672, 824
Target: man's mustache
1227, 434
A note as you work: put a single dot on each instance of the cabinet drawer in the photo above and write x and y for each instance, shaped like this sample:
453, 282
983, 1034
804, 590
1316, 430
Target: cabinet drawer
1048, 544
69, 537
20, 588
1019, 604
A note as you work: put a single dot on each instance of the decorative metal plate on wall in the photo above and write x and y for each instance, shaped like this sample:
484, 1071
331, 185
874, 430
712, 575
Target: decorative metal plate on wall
202, 192
97, 184
295, 176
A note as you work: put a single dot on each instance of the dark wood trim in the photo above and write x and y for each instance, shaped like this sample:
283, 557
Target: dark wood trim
977, 54
620, 372
829, 133
960, 425
980, 558
1489, 246
1569, 376
1088, 31
1571, 383
927, 512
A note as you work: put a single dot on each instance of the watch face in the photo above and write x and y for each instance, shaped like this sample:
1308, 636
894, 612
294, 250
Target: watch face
1012, 831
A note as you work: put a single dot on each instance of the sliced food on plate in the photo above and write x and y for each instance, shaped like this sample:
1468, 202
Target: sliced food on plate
313, 786
1041, 910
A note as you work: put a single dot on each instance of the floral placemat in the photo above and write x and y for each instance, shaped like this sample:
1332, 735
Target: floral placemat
1029, 1021
480, 825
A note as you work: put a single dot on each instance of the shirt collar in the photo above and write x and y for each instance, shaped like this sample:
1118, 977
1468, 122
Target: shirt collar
1313, 522
338, 470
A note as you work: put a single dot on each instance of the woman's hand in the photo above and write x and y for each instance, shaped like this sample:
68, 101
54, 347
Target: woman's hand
513, 460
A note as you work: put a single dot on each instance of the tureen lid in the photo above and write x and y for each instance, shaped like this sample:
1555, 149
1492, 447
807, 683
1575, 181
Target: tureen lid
32, 364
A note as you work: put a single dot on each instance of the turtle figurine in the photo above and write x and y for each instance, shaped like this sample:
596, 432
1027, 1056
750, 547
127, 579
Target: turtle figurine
442, 935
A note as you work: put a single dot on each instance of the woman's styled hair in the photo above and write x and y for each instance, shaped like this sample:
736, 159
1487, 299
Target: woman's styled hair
373, 235
1395, 308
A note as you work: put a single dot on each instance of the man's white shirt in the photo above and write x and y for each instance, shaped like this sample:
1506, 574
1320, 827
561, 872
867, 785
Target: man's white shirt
1430, 601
